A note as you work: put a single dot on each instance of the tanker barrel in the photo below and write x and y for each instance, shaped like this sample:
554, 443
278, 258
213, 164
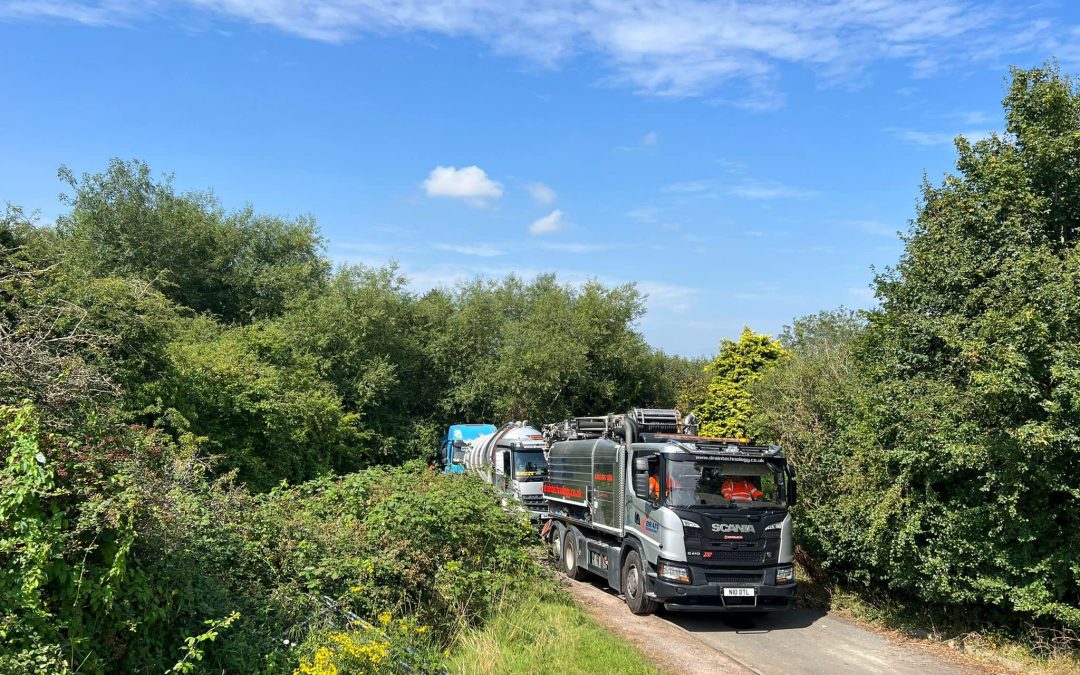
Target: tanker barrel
655, 420
591, 425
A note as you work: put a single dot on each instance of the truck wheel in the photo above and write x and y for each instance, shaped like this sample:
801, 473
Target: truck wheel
634, 587
570, 554
558, 533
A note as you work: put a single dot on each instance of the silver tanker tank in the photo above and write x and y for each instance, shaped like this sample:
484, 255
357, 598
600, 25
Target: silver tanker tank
512, 461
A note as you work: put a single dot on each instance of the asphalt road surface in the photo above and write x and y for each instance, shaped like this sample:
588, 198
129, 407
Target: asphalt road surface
797, 641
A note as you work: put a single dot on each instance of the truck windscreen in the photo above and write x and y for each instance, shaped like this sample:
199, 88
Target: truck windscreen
722, 484
529, 463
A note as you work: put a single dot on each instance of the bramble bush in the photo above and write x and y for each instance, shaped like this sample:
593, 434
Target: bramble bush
116, 552
171, 373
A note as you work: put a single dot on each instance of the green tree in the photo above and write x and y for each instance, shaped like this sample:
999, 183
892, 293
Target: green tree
50, 353
960, 483
260, 403
369, 336
544, 351
235, 265
688, 378
726, 409
804, 403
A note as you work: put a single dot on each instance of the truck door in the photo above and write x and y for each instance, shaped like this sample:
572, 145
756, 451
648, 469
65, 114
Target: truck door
507, 471
647, 483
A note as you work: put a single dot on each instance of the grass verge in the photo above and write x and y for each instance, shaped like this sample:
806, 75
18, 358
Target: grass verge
543, 631
1040, 651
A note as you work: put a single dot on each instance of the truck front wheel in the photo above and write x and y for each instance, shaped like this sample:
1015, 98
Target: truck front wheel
558, 532
633, 583
570, 554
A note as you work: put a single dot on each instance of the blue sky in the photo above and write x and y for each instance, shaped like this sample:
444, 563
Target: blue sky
744, 162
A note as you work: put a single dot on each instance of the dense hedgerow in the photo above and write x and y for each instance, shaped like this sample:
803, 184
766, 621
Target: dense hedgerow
941, 440
113, 552
148, 330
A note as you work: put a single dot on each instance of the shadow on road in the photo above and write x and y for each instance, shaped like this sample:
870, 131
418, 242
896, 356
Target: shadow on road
712, 622
792, 619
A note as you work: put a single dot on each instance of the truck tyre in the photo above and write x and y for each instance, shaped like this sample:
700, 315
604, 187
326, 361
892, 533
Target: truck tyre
558, 533
634, 586
570, 553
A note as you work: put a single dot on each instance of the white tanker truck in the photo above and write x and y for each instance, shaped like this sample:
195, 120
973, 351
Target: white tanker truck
512, 461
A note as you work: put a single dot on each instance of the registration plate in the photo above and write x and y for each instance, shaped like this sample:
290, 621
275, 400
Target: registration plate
739, 592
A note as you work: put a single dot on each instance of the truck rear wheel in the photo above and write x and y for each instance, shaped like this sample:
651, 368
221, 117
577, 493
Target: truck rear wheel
634, 586
570, 554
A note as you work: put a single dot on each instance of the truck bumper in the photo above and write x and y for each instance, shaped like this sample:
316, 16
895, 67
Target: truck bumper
710, 597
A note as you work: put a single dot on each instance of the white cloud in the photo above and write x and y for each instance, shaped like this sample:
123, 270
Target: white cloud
649, 140
873, 227
552, 222
656, 47
663, 295
369, 247
732, 166
969, 117
566, 247
85, 13
931, 138
644, 214
470, 183
768, 190
746, 189
478, 250
863, 293
541, 194
690, 186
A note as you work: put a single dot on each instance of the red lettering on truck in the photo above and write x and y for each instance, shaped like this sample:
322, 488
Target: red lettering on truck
562, 491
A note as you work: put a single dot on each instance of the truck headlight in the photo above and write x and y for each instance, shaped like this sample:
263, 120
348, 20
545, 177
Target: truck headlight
785, 575
675, 572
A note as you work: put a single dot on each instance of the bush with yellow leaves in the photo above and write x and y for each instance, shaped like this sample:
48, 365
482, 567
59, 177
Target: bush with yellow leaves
394, 645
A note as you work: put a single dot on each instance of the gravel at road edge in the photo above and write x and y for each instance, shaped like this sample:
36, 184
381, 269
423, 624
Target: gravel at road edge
667, 646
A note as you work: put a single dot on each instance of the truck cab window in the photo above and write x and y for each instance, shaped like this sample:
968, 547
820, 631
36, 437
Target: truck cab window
724, 484
529, 464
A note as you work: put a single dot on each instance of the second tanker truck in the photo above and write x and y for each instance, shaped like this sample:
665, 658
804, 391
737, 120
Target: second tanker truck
670, 518
512, 461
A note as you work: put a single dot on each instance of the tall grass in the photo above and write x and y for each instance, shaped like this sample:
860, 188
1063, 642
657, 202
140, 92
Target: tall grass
541, 630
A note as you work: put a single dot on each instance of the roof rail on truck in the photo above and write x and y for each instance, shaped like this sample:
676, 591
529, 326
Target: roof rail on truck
638, 421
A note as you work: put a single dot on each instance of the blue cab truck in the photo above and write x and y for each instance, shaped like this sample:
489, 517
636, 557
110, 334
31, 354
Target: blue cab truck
452, 455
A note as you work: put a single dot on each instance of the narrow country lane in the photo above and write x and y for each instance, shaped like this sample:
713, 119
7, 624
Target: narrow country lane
796, 642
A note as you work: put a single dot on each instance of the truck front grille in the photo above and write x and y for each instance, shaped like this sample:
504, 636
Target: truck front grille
534, 502
733, 578
738, 556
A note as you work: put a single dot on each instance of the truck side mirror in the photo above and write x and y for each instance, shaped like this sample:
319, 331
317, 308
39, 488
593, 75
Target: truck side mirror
641, 478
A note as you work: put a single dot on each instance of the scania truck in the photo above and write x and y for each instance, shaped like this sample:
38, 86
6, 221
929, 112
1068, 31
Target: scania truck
669, 518
512, 461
